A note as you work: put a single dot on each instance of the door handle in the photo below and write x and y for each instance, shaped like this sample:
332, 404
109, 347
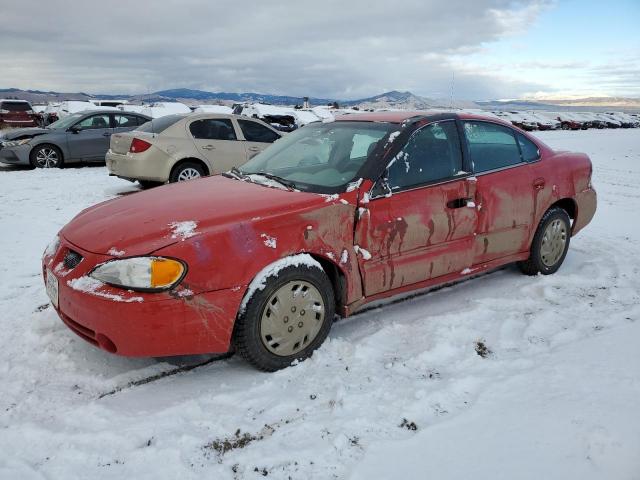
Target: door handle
458, 202
254, 149
538, 183
106, 134
209, 147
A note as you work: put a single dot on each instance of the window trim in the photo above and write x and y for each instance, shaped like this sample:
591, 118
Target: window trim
441, 181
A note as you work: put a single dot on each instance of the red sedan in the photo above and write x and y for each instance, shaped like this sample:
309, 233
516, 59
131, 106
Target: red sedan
327, 219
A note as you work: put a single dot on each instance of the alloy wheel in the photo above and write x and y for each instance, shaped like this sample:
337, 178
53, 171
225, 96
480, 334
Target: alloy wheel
47, 158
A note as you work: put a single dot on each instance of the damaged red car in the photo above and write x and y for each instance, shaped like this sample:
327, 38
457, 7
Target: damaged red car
334, 215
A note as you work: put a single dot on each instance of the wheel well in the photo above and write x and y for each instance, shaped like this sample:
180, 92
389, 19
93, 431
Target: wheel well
337, 278
568, 205
194, 160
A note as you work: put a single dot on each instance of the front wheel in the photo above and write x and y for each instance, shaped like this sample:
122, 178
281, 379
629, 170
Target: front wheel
186, 171
550, 243
286, 320
46, 156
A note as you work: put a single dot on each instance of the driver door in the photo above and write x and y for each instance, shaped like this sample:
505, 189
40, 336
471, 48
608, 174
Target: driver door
421, 219
89, 138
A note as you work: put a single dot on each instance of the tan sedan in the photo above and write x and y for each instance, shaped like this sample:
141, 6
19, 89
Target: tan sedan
182, 147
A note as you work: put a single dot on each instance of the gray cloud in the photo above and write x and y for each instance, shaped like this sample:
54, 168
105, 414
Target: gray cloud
342, 49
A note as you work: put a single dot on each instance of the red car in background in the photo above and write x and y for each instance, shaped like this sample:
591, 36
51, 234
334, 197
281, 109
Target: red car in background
17, 114
329, 218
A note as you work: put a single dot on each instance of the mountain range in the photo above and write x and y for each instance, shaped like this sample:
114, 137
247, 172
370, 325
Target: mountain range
392, 99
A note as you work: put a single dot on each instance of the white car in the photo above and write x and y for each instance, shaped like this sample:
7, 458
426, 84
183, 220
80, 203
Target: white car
182, 147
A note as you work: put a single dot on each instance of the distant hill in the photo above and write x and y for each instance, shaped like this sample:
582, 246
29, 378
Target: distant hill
389, 100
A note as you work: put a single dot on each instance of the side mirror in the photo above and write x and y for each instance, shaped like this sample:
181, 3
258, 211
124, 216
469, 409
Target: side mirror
75, 129
382, 188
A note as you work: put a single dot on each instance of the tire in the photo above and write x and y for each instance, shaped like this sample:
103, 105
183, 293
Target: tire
186, 171
270, 339
550, 243
46, 156
146, 184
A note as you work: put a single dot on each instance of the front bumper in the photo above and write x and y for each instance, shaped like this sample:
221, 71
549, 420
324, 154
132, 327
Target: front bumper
142, 166
161, 324
15, 155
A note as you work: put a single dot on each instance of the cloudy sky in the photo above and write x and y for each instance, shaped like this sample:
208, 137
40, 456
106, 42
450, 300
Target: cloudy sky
345, 49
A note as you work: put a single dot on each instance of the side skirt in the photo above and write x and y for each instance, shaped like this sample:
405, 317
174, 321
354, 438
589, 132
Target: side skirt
425, 286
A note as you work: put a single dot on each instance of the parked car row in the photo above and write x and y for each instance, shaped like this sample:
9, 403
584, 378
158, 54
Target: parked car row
544, 120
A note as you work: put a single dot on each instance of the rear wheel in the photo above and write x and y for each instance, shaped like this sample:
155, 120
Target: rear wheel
186, 171
46, 156
287, 320
550, 243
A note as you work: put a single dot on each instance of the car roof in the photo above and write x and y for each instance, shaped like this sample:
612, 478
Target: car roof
401, 116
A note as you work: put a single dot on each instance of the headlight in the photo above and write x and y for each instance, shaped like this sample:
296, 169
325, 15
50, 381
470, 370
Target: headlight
16, 143
52, 248
141, 273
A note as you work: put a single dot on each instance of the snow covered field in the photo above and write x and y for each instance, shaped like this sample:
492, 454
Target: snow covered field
502, 377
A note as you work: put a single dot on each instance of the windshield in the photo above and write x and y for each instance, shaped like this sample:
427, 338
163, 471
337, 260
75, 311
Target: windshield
66, 122
320, 156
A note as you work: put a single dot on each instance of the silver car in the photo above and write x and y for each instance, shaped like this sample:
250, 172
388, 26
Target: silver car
80, 137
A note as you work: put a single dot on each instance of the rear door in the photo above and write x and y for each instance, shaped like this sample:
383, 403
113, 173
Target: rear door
257, 137
420, 225
89, 138
505, 190
216, 139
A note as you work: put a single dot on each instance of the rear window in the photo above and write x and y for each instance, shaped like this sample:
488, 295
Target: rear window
159, 125
15, 106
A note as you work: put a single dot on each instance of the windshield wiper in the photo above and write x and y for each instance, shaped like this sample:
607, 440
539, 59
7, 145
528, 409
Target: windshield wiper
236, 173
282, 181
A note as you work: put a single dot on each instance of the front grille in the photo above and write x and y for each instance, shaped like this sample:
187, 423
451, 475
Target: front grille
72, 259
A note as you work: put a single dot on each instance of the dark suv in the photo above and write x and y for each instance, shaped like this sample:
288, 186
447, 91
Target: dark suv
16, 113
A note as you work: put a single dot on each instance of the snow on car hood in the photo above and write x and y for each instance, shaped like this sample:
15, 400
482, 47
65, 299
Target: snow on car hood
141, 223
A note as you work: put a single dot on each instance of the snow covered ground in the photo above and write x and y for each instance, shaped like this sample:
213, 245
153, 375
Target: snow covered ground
503, 376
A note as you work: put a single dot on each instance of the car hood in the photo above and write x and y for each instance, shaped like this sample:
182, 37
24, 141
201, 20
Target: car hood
140, 223
19, 133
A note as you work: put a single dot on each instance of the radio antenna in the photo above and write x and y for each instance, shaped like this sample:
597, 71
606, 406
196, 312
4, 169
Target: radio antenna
452, 85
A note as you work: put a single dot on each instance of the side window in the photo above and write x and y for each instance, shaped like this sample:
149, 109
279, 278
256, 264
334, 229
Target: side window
93, 122
126, 121
530, 151
431, 154
213, 129
491, 146
254, 132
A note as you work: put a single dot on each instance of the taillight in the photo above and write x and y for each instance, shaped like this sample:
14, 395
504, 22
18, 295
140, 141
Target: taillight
138, 146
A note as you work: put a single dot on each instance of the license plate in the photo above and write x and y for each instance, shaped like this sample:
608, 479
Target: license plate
52, 287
